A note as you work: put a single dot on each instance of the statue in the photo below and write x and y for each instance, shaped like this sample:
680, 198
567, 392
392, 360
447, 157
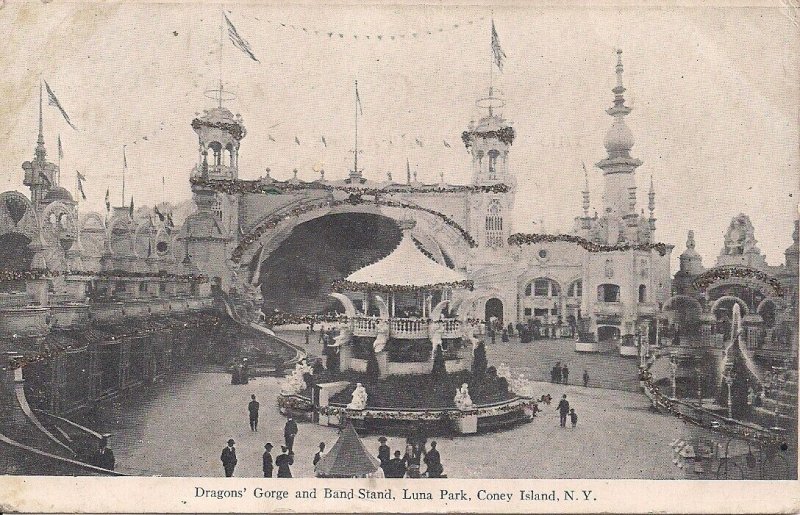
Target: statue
522, 386
462, 399
345, 335
437, 332
359, 400
504, 371
382, 328
294, 382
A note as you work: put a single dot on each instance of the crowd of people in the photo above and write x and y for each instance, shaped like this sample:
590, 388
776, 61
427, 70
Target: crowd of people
559, 374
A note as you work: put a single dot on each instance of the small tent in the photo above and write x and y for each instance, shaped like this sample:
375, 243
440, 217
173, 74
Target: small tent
348, 458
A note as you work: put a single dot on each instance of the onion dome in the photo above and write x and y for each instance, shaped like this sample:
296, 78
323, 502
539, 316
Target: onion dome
619, 137
221, 118
58, 194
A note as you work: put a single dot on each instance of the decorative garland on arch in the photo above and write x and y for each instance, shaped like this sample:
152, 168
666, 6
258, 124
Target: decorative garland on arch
239, 186
273, 221
704, 280
534, 238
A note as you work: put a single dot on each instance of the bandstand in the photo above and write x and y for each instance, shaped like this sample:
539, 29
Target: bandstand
403, 357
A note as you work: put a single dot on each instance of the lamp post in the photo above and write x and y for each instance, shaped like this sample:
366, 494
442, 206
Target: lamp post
673, 361
729, 376
699, 375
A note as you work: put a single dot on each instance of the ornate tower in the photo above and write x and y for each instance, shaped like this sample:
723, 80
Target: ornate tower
40, 175
489, 141
219, 133
619, 168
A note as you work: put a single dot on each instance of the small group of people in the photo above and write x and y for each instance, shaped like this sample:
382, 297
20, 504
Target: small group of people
559, 373
240, 372
565, 411
282, 461
409, 464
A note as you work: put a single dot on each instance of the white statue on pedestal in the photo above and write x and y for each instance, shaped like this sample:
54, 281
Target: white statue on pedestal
382, 328
359, 400
504, 371
462, 399
294, 382
521, 386
437, 333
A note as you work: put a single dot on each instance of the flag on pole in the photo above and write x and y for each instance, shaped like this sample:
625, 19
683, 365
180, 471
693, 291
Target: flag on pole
238, 41
324, 142
130, 208
446, 144
53, 101
296, 140
108, 201
496, 50
81, 178
60, 148
358, 101
124, 158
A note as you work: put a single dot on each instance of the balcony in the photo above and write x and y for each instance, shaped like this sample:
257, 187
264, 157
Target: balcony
607, 308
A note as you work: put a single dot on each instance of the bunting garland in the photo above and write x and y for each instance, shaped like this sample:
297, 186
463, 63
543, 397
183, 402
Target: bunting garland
532, 239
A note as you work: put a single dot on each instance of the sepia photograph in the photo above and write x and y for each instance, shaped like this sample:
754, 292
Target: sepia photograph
387, 244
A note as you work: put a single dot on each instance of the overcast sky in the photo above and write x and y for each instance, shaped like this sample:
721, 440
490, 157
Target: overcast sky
714, 95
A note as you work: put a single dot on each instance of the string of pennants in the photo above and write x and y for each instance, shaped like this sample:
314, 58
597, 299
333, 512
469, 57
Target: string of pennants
346, 35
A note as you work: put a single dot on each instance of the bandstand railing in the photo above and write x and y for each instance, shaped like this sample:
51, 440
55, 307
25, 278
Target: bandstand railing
405, 328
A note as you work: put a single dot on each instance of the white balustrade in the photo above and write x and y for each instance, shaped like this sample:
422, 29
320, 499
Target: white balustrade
408, 328
365, 326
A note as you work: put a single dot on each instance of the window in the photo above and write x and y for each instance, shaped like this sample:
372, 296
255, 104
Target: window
608, 293
527, 312
494, 224
493, 154
575, 289
642, 293
217, 209
544, 287
216, 147
528, 290
543, 254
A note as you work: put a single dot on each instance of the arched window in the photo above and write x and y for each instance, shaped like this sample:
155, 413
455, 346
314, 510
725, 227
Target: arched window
544, 287
642, 293
608, 293
216, 147
575, 289
494, 225
528, 289
231, 156
493, 155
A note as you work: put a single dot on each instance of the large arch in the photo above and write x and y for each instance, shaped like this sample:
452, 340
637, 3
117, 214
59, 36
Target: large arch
683, 313
17, 215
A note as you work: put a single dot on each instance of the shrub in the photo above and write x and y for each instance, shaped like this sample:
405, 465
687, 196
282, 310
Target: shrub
439, 369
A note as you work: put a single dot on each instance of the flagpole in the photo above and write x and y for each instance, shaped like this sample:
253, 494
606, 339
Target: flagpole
491, 67
124, 169
221, 24
355, 154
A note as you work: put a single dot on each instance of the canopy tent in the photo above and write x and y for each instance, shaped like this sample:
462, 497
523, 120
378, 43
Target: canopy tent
348, 458
406, 266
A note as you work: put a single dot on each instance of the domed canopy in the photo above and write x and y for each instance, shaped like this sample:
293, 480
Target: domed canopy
58, 193
221, 118
406, 267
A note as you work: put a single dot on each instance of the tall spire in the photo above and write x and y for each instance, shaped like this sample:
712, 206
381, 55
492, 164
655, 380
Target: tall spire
355, 173
651, 195
40, 150
619, 89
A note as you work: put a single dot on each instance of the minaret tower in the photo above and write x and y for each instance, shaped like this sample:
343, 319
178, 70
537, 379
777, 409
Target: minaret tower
40, 175
619, 168
651, 205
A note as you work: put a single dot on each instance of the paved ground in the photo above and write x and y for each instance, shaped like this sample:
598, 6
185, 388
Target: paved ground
180, 428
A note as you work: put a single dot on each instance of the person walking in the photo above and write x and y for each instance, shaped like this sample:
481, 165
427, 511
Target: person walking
396, 467
308, 334
266, 460
318, 456
289, 432
434, 462
563, 409
565, 374
557, 372
585, 378
384, 453
105, 456
252, 407
573, 417
283, 461
228, 458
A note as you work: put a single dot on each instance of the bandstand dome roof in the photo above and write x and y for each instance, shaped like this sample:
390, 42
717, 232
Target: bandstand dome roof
406, 266
347, 458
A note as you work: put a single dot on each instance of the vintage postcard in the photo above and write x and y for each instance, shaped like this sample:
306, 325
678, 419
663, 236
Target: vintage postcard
260, 257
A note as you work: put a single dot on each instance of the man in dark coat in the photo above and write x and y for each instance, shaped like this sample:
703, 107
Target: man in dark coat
105, 456
585, 378
289, 432
396, 467
283, 461
318, 456
267, 460
384, 453
434, 462
563, 409
564, 374
252, 407
228, 458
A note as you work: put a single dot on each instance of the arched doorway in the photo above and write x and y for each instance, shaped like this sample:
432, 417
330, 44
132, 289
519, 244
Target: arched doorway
494, 308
